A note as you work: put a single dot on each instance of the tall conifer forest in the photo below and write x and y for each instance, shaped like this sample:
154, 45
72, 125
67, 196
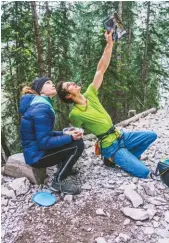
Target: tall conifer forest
65, 40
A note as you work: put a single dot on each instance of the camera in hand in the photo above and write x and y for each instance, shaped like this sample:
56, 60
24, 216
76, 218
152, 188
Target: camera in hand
116, 24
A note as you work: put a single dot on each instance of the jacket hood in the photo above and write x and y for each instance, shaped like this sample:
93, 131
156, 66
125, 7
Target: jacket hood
31, 99
25, 102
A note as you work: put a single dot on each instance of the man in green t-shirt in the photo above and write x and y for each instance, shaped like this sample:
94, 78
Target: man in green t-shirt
123, 147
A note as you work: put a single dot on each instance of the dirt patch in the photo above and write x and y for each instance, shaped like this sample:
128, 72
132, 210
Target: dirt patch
60, 224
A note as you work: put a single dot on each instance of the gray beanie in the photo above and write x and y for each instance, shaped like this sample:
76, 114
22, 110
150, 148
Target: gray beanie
38, 83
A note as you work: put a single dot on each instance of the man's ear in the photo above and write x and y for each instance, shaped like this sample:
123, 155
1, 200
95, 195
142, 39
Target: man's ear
68, 96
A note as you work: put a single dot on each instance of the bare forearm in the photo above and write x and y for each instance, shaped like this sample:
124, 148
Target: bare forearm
105, 59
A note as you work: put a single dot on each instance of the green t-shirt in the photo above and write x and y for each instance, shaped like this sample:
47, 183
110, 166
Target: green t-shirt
93, 118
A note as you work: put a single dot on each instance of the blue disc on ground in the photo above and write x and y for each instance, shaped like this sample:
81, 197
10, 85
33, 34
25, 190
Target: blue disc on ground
44, 199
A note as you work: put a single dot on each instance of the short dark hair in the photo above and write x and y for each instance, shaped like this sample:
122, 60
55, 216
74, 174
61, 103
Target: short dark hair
62, 93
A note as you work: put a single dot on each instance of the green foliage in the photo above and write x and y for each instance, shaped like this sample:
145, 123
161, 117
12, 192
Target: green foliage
73, 31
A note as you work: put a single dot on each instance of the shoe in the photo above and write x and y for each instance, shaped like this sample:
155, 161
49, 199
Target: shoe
66, 187
73, 172
108, 162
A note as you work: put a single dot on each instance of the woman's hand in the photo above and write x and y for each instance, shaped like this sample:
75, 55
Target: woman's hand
77, 135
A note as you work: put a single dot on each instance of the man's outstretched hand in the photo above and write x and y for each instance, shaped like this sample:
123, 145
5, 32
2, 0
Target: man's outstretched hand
108, 36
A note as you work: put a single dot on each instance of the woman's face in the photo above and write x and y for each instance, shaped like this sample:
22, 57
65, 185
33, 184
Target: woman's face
48, 89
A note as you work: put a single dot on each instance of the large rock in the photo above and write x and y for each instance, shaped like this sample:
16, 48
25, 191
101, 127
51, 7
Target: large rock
16, 167
167, 216
7, 192
136, 214
20, 186
134, 197
166, 240
100, 240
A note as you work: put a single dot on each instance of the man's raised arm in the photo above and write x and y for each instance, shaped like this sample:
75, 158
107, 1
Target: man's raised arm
104, 61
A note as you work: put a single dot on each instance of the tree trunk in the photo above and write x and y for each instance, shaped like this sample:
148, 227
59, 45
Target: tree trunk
136, 117
130, 21
145, 57
38, 39
129, 35
120, 11
6, 152
19, 69
49, 54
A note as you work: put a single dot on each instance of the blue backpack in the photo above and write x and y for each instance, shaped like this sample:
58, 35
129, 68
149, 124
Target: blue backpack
162, 170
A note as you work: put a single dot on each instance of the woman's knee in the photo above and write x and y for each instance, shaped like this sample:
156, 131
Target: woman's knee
80, 145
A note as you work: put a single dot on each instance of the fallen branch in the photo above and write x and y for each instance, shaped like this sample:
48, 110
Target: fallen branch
136, 117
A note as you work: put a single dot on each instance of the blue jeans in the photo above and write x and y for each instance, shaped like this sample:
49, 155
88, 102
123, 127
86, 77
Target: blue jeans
126, 151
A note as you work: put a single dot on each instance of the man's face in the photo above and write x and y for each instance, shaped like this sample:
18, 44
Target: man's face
71, 88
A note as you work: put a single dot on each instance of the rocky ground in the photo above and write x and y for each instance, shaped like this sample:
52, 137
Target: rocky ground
113, 206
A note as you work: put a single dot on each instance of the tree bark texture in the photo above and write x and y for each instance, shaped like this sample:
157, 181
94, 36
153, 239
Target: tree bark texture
120, 12
38, 39
49, 54
145, 57
4, 145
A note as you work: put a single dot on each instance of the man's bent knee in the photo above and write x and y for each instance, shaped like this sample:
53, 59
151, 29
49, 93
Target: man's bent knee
143, 173
152, 136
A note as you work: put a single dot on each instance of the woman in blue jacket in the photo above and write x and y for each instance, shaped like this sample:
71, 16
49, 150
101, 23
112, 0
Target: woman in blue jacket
43, 147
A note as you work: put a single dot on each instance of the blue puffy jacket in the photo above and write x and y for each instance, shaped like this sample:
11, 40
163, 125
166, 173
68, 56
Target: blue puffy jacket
36, 128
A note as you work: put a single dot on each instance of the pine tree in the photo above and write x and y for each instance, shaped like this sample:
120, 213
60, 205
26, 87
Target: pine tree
65, 40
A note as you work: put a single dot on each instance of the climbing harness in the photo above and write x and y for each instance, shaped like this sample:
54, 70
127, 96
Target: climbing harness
98, 144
